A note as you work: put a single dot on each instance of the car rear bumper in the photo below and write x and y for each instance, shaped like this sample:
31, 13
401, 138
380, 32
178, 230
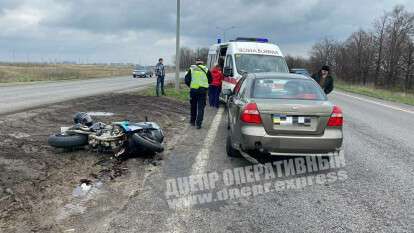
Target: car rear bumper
256, 138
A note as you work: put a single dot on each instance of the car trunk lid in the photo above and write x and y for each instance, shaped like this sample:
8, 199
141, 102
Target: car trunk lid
294, 117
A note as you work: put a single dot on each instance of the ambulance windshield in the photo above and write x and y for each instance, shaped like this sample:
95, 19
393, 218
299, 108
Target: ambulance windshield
256, 63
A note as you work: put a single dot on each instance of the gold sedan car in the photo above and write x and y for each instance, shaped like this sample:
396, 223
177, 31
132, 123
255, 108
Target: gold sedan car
282, 114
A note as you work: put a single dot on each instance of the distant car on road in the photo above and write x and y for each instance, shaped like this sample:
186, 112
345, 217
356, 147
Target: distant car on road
282, 114
140, 72
301, 71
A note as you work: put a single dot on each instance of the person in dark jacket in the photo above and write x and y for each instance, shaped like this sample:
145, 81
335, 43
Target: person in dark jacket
198, 78
160, 73
324, 79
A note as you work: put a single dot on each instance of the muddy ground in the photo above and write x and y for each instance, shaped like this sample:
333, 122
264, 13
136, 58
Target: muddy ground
37, 182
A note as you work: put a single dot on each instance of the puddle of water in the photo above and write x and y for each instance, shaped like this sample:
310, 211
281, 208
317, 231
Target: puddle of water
101, 113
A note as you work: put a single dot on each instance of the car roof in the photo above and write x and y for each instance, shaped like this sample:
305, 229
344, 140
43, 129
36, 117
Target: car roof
275, 75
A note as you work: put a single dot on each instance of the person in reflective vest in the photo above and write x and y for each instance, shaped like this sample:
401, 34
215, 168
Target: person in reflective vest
198, 78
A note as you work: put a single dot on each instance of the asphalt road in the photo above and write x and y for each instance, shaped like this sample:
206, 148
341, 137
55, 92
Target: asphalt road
375, 195
24, 96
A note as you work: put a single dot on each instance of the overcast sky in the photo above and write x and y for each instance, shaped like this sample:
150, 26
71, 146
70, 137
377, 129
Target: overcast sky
140, 31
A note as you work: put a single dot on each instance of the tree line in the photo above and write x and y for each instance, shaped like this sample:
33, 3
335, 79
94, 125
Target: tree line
188, 56
382, 56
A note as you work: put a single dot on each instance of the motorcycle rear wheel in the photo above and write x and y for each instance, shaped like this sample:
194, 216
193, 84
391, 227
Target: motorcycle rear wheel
67, 141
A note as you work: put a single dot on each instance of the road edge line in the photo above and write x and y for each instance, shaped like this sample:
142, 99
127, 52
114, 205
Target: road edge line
204, 154
375, 102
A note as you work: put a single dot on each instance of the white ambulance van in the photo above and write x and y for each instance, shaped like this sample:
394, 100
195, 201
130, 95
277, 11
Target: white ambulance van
246, 55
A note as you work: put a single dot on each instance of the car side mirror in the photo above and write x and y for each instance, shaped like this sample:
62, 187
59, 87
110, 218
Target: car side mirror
228, 71
227, 92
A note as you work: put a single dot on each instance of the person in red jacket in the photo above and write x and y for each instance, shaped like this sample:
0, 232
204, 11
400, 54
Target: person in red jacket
215, 86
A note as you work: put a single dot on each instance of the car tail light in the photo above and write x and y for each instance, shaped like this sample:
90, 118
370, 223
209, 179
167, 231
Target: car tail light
250, 114
336, 118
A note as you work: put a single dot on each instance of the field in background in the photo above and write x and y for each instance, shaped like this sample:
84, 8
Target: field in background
52, 72
395, 96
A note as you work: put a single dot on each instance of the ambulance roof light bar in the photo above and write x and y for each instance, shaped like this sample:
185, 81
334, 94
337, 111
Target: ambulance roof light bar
248, 39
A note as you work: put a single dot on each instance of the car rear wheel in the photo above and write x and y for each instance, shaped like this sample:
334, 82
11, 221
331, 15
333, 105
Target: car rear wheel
231, 152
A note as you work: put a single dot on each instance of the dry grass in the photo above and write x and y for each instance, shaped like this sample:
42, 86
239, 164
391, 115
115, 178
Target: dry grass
395, 96
52, 72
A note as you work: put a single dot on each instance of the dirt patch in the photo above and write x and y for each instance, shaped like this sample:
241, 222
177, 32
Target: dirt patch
37, 181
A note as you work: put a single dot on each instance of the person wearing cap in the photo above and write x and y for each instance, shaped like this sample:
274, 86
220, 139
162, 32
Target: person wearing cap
324, 79
198, 78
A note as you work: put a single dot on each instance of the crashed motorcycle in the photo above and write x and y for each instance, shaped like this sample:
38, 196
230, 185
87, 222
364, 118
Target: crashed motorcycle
118, 137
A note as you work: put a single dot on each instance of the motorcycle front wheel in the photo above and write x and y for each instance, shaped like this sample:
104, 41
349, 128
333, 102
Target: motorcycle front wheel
147, 143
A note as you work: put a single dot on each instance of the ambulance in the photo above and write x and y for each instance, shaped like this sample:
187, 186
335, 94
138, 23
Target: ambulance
246, 55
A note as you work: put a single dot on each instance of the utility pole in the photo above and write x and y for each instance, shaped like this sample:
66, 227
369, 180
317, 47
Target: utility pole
177, 49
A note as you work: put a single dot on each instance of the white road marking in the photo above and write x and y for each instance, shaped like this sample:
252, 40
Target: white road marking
199, 166
375, 102
202, 158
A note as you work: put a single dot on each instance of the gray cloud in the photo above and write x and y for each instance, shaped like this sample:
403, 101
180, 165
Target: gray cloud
141, 31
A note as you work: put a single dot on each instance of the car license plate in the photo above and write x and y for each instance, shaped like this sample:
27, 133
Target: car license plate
279, 119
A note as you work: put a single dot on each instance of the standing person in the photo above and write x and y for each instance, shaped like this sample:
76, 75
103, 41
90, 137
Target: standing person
160, 73
215, 86
198, 77
324, 78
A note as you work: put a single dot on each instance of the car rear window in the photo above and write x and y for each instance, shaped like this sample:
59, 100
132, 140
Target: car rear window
268, 88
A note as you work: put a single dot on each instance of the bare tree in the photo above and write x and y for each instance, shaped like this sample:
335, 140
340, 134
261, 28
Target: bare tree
379, 33
297, 62
400, 25
383, 56
324, 53
188, 56
202, 53
408, 60
360, 52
